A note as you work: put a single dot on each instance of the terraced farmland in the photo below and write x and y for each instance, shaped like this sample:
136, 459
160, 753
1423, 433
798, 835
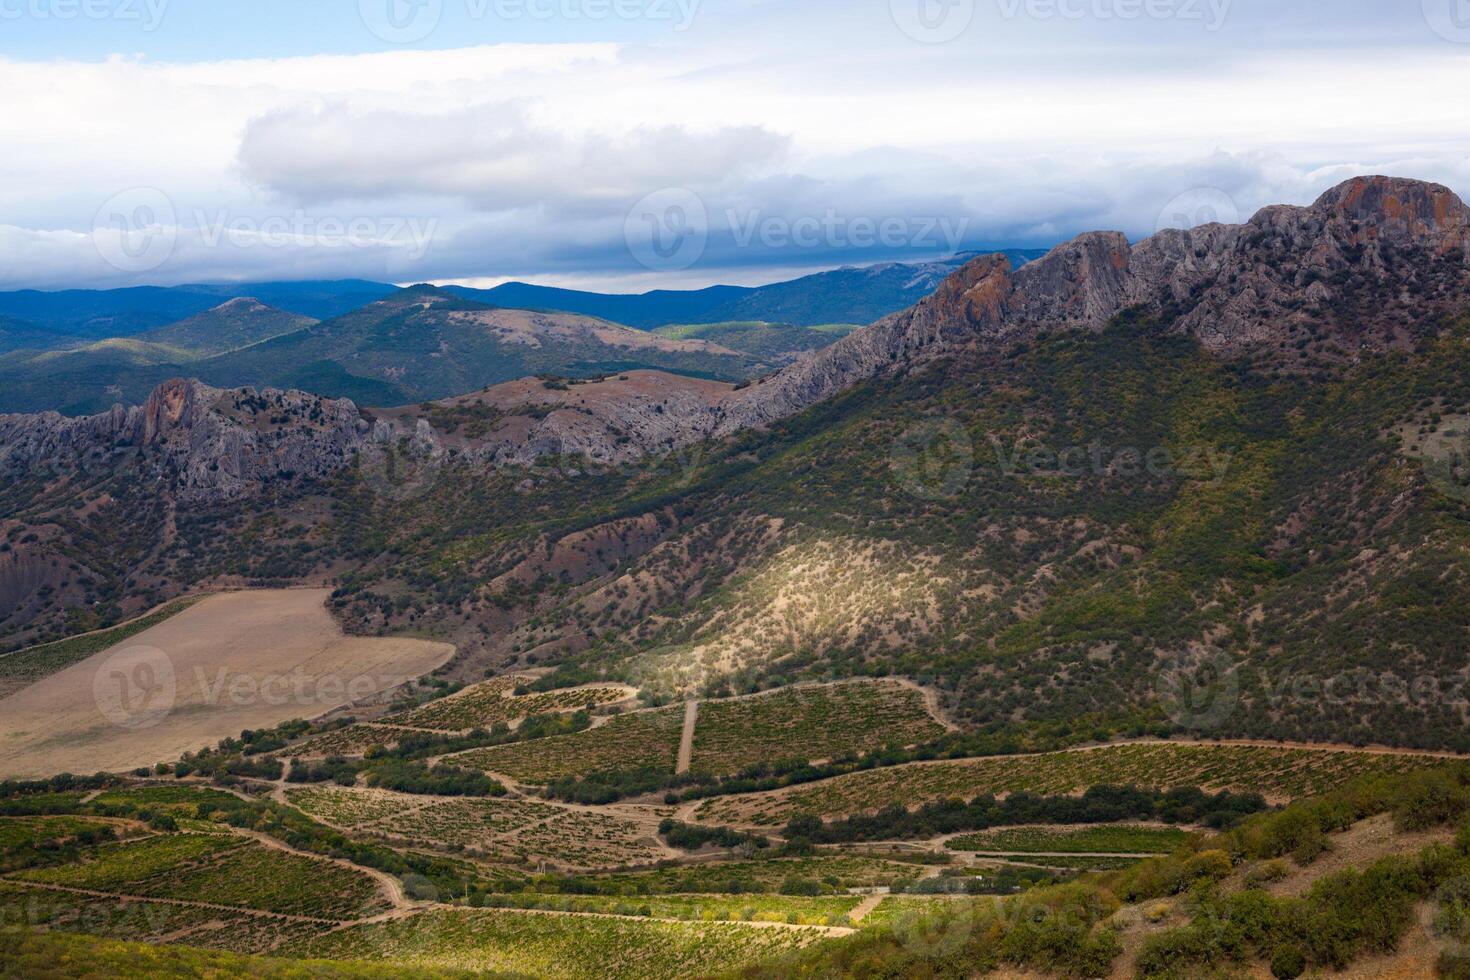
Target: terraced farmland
349, 741
222, 871
631, 741
904, 911
117, 867
809, 723
30, 831
467, 823
1088, 840
828, 910
486, 704
1279, 773
558, 946
764, 876
146, 921
350, 808
582, 839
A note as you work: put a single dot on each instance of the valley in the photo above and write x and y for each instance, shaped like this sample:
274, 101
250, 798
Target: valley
1101, 615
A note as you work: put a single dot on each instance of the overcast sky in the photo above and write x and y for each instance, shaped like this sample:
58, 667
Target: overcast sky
632, 144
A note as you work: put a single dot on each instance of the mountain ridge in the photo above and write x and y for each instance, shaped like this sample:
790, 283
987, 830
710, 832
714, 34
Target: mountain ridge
1224, 284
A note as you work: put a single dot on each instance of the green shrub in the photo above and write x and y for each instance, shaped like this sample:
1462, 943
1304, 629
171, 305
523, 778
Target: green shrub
1288, 963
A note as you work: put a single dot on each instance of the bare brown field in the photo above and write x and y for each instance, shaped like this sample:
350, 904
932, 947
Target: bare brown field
234, 661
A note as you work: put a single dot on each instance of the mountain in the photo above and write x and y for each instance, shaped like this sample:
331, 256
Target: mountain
774, 343
1367, 267
18, 335
809, 301
81, 377
425, 343
414, 345
96, 314
851, 295
1232, 457
644, 310
230, 326
848, 295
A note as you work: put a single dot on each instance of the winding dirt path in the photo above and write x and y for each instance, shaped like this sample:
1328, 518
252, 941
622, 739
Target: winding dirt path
686, 741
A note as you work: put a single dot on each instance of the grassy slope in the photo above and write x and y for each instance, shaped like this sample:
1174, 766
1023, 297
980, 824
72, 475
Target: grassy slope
57, 956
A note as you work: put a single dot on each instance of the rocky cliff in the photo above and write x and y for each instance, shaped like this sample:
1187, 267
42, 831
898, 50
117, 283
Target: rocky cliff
209, 445
1365, 267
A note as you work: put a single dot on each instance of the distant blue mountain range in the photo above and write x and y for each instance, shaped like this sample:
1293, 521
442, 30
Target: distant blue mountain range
849, 295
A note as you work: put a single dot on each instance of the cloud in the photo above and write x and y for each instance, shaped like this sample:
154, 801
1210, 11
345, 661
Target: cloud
492, 158
796, 127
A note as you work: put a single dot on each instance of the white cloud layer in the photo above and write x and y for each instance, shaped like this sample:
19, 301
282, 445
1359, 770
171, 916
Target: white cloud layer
527, 160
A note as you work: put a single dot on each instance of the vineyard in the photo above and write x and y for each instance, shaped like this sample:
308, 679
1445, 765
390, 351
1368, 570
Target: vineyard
1279, 773
148, 921
783, 909
485, 705
581, 840
352, 740
809, 723
1090, 840
631, 741
561, 946
468, 823
221, 871
763, 876
350, 808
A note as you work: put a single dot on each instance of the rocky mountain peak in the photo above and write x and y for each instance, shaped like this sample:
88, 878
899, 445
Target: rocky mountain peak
1397, 208
1364, 267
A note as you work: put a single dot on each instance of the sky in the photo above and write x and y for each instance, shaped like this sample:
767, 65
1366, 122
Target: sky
625, 145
